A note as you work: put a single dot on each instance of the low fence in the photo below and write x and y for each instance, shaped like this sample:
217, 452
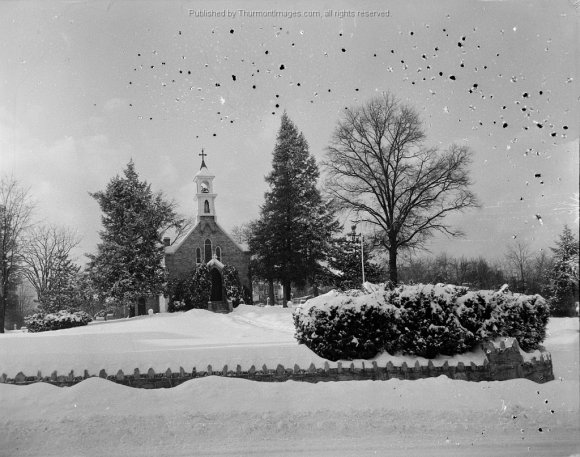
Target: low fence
501, 363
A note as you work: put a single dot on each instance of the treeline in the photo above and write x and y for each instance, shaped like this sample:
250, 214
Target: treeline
478, 272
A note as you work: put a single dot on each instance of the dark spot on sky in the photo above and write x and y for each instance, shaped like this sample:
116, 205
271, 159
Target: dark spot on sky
277, 105
541, 92
392, 51
234, 77
215, 134
540, 126
412, 33
452, 77
440, 73
282, 67
356, 90
538, 175
553, 134
459, 43
217, 84
266, 52
505, 124
540, 429
231, 30
254, 86
525, 95
298, 84
565, 127
138, 55
277, 95
343, 50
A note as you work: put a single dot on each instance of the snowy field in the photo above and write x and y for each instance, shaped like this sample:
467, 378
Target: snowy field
219, 416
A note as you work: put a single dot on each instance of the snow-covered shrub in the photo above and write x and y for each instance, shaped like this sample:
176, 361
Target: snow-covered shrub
232, 284
427, 320
421, 320
56, 321
345, 325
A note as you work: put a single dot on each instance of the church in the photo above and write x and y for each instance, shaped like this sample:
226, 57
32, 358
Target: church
207, 242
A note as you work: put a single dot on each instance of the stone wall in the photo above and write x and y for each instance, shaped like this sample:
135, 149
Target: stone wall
183, 259
501, 363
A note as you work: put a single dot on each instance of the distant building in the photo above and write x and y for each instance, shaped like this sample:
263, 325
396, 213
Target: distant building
207, 242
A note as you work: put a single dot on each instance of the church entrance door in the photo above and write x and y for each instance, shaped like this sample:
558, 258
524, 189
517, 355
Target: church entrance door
216, 285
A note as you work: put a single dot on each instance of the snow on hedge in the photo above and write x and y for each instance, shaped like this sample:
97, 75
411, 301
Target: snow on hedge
422, 320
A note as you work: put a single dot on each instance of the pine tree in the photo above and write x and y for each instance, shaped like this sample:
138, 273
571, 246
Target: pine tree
128, 262
295, 224
345, 264
563, 277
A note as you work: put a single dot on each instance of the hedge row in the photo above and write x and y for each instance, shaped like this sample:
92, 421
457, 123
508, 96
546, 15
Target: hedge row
56, 321
420, 320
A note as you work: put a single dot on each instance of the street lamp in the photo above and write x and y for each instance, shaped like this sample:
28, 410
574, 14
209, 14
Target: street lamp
354, 236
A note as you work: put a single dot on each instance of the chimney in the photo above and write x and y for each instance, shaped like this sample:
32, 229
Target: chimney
166, 241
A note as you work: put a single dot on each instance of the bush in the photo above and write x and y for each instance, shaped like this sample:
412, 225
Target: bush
420, 320
55, 321
344, 326
232, 285
190, 290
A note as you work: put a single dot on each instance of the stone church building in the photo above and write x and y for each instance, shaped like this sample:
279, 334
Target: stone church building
207, 242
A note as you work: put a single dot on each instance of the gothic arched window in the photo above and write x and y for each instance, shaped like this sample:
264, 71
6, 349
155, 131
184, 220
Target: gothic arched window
206, 207
218, 253
207, 250
198, 255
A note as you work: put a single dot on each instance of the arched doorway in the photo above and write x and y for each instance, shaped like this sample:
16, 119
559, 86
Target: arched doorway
216, 285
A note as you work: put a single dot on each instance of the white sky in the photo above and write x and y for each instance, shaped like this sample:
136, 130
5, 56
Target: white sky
84, 87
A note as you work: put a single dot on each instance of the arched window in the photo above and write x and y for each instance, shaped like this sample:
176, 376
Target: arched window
218, 253
206, 207
198, 255
207, 250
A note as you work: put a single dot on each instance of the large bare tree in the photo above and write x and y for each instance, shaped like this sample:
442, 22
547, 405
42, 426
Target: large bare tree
46, 256
519, 259
378, 167
15, 213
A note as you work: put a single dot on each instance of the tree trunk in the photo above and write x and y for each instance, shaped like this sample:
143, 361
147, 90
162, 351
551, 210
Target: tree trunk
271, 291
2, 311
393, 274
286, 287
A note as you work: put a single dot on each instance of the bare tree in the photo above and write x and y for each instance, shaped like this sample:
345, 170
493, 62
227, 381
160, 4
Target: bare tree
377, 167
242, 233
46, 256
519, 258
15, 212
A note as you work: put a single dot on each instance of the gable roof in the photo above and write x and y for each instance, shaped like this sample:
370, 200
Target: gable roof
175, 247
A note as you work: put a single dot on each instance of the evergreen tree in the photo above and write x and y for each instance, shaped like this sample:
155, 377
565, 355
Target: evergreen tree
563, 277
127, 265
295, 224
344, 262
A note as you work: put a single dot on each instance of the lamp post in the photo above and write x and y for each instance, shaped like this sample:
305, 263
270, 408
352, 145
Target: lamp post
354, 236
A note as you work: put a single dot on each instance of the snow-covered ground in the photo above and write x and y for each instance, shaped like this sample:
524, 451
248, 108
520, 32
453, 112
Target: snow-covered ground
221, 416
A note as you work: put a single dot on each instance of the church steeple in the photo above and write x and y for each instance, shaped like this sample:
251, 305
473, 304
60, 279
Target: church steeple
204, 191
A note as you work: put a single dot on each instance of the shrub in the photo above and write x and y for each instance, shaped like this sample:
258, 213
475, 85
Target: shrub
345, 326
420, 320
428, 323
55, 321
232, 284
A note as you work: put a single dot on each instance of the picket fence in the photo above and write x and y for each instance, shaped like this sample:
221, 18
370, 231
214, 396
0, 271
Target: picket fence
501, 363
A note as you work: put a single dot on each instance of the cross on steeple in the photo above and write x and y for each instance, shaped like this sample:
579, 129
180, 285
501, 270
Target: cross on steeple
203, 154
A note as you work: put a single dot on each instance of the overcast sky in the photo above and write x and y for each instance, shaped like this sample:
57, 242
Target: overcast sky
86, 86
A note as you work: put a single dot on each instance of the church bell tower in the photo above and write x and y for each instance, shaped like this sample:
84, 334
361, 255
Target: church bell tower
205, 194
